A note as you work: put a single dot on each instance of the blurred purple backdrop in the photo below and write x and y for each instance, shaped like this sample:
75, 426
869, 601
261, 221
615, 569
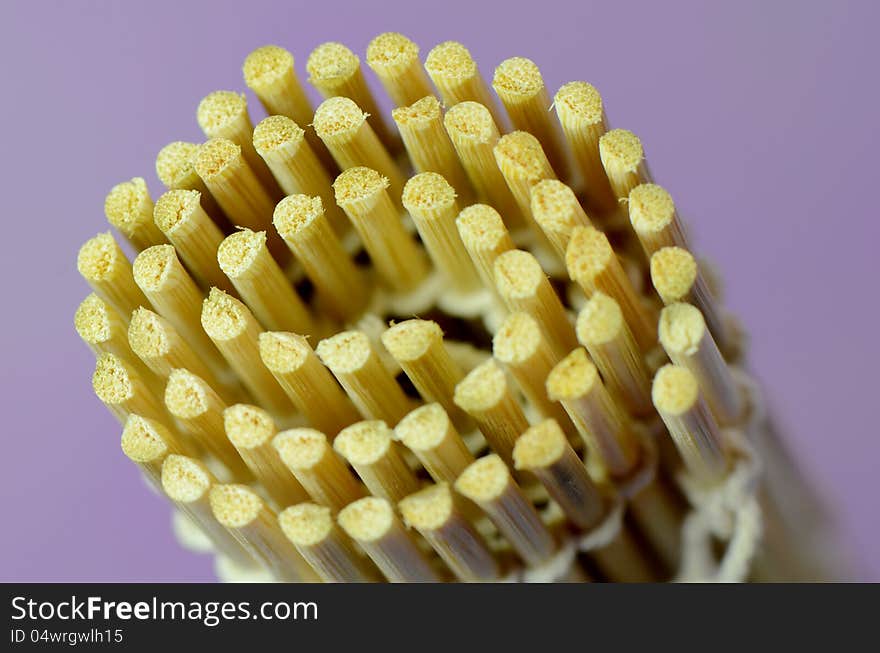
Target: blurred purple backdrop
760, 117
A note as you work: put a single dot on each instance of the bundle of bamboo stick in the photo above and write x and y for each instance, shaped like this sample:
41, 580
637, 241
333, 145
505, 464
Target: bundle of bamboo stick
569, 403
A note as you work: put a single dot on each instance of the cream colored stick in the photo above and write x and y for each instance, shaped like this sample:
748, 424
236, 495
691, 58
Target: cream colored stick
455, 74
432, 437
395, 60
224, 115
343, 127
199, 410
251, 429
129, 207
431, 202
175, 167
336, 71
322, 544
364, 195
527, 354
593, 265
488, 483
474, 135
194, 235
485, 238
369, 447
319, 469
433, 513
654, 218
603, 331
688, 343
104, 266
371, 522
147, 443
522, 162
310, 386
582, 117
417, 345
187, 482
255, 526
290, 156
519, 84
693, 428
557, 211
677, 278
623, 158
163, 279
523, 287
158, 344
235, 331
606, 429
544, 451
232, 181
484, 395
269, 72
261, 283
354, 362
102, 327
303, 224
427, 143
118, 385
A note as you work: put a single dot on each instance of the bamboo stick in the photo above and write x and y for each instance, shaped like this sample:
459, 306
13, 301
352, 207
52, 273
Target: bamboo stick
199, 410
417, 345
433, 513
354, 362
593, 265
103, 265
294, 163
302, 223
129, 207
369, 447
523, 163
336, 71
251, 430
255, 526
431, 202
623, 158
235, 331
328, 550
688, 343
602, 330
677, 278
102, 327
454, 72
245, 259
654, 218
488, 483
364, 196
474, 135
544, 451
557, 211
523, 287
428, 432
421, 126
395, 60
194, 235
484, 395
519, 84
582, 117
175, 168
147, 443
693, 428
371, 522
342, 126
318, 468
118, 385
187, 482
224, 115
485, 238
310, 386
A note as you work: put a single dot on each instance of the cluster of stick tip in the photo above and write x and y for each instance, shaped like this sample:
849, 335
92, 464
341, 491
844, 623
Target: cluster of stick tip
262, 354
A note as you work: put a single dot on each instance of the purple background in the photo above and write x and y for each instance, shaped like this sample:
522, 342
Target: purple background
760, 117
